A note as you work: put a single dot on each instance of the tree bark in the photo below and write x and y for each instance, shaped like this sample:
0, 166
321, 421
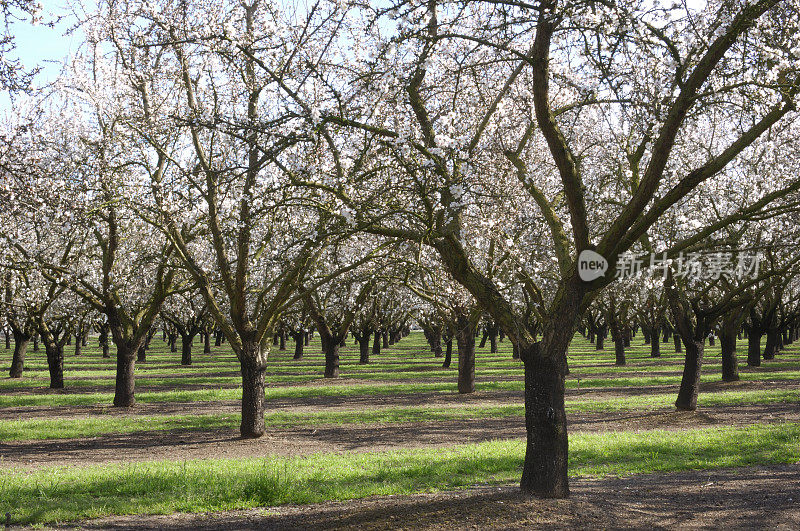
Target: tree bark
544, 473
465, 340
754, 347
104, 340
330, 346
376, 345
730, 365
253, 365
186, 348
55, 364
125, 384
207, 343
21, 340
619, 344
771, 347
676, 338
363, 348
448, 354
298, 344
79, 341
655, 349
690, 382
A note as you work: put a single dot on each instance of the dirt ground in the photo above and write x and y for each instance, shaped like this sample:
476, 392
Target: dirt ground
749, 498
207, 444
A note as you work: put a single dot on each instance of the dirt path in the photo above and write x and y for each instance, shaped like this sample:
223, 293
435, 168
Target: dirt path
206, 444
744, 498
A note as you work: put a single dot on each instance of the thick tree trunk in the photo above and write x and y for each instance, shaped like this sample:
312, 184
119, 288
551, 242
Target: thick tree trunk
186, 349
448, 354
298, 344
125, 384
376, 345
55, 364
36, 342
330, 346
484, 337
493, 341
207, 343
600, 339
363, 348
619, 344
465, 340
21, 341
544, 473
754, 347
385, 335
282, 345
8, 339
253, 365
141, 355
104, 341
771, 347
676, 338
655, 348
78, 343
730, 365
690, 382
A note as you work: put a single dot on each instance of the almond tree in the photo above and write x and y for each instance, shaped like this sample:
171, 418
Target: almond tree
598, 120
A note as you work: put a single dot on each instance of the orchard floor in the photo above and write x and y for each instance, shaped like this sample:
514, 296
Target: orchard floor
741, 498
402, 389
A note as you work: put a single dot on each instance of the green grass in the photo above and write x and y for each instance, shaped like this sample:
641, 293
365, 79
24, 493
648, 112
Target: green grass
63, 494
58, 428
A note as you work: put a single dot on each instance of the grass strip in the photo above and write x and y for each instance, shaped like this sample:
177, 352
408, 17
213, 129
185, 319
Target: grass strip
60, 494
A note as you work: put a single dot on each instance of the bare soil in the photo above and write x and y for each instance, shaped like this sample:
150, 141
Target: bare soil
742, 498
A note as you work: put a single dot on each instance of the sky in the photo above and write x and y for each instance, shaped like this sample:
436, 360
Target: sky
43, 46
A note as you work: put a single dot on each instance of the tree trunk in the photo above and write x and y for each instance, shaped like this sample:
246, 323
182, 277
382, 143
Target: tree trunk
676, 338
690, 382
771, 348
754, 347
186, 349
330, 346
493, 341
78, 343
376, 345
125, 384
104, 340
544, 473
448, 353
465, 340
655, 348
253, 365
36, 342
601, 333
55, 364
141, 355
484, 337
363, 348
619, 344
8, 339
385, 335
727, 342
21, 341
298, 344
282, 345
